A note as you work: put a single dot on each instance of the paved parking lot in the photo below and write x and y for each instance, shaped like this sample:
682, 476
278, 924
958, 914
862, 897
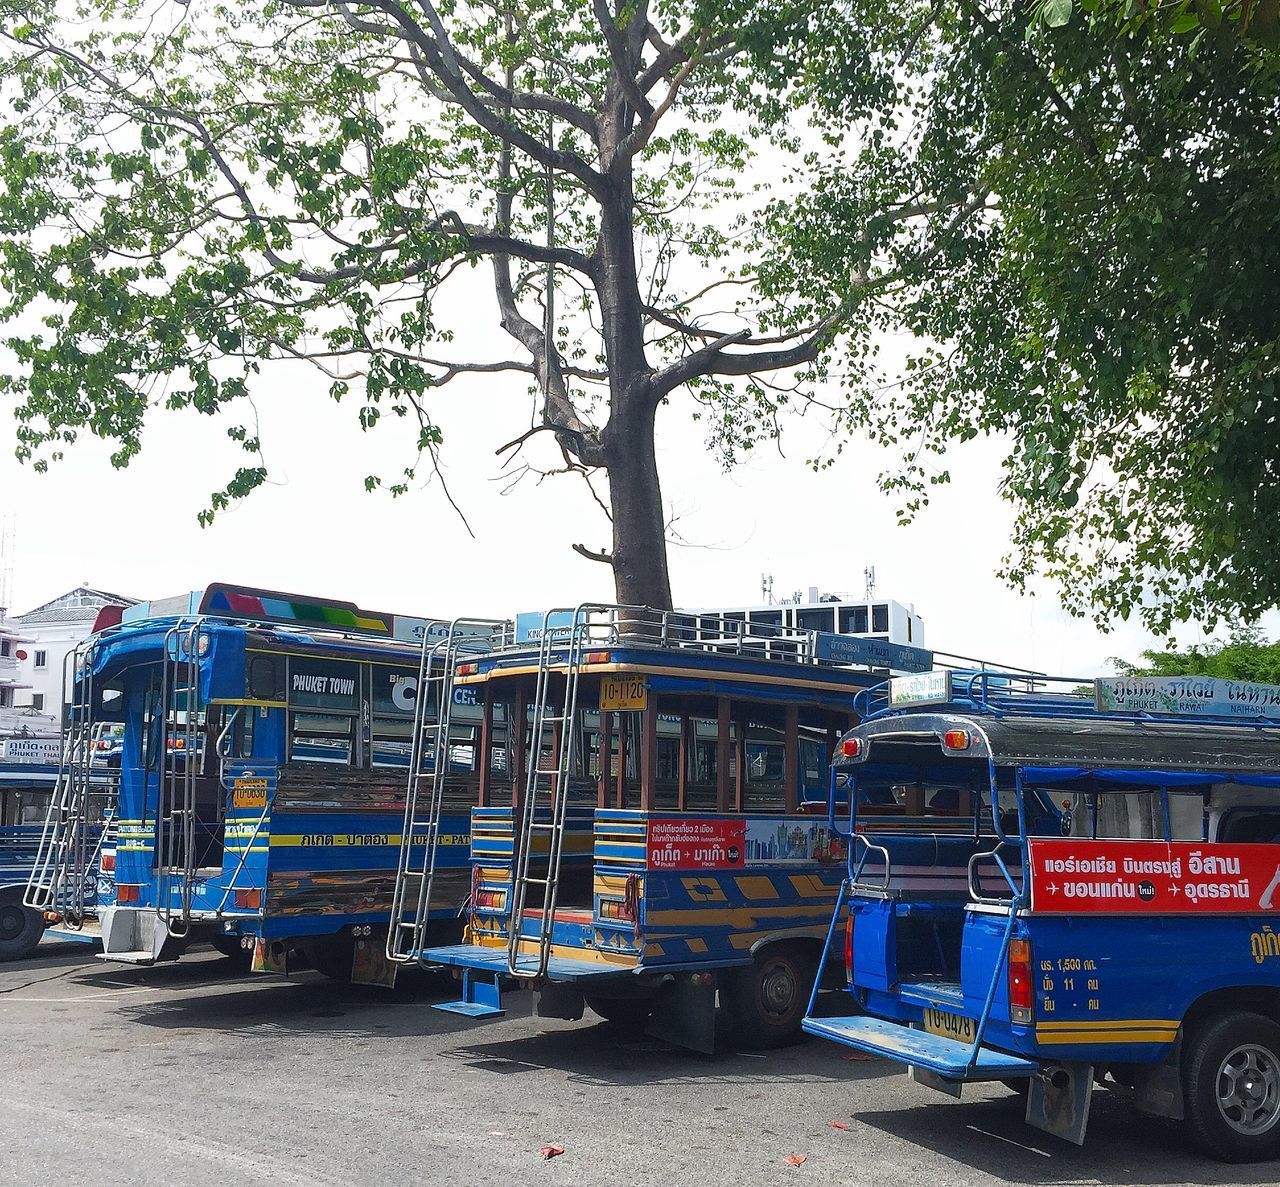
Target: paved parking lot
192, 1073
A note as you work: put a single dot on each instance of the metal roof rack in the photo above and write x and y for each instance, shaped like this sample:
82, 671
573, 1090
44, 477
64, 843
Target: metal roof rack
1022, 694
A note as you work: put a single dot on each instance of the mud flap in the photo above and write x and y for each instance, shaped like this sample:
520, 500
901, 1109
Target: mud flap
269, 957
1058, 1101
556, 999
370, 966
933, 1080
684, 1014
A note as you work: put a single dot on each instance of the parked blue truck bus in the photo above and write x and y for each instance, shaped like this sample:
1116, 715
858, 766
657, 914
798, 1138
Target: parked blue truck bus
646, 845
27, 788
265, 743
1117, 923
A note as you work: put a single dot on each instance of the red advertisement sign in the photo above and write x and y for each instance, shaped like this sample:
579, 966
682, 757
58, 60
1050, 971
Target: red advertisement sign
1153, 877
691, 844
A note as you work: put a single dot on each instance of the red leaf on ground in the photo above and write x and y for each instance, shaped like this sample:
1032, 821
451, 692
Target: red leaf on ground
552, 1151
836, 1125
797, 1159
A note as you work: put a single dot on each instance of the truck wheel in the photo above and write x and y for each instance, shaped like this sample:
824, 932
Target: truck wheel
630, 1014
233, 950
20, 930
767, 1000
333, 957
1231, 1083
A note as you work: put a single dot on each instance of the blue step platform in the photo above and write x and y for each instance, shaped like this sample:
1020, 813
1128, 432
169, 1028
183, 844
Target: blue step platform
918, 1048
483, 969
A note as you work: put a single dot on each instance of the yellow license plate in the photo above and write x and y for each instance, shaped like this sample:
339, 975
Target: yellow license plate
621, 694
950, 1026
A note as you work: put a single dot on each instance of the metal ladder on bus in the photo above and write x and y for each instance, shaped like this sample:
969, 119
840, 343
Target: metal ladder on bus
429, 764
60, 875
549, 786
180, 755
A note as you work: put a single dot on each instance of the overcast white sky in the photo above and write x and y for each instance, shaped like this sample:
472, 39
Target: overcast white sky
314, 530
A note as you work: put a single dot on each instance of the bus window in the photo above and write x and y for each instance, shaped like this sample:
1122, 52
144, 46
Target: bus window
320, 737
666, 791
263, 678
763, 788
245, 726
813, 769
392, 742
629, 726
702, 776
1250, 826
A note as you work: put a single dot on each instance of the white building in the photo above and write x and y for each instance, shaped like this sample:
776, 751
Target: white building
18, 718
838, 613
49, 632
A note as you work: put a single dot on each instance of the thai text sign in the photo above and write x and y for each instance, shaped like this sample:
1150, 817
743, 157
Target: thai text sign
1190, 696
1153, 877
924, 688
693, 844
872, 653
31, 750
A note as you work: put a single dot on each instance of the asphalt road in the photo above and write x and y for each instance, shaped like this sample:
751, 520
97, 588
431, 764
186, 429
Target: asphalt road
192, 1073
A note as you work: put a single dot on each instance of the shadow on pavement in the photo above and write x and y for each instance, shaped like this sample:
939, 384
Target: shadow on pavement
1122, 1146
601, 1054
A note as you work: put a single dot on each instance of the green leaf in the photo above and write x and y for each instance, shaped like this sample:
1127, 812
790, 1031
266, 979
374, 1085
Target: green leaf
1056, 13
1185, 23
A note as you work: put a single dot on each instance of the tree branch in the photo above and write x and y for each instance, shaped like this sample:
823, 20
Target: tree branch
605, 558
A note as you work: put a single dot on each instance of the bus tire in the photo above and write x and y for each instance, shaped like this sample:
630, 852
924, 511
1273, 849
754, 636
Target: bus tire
333, 957
1231, 1087
20, 929
766, 1001
233, 950
630, 1014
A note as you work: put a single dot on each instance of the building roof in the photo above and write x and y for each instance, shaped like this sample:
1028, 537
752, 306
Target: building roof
76, 605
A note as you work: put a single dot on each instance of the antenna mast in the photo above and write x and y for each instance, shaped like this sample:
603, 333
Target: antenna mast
869, 573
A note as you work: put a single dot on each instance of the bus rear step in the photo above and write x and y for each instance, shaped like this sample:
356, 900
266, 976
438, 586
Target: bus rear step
139, 956
481, 996
919, 1049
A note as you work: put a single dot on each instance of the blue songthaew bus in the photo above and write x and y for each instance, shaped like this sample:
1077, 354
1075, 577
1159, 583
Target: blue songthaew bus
1095, 903
265, 744
652, 843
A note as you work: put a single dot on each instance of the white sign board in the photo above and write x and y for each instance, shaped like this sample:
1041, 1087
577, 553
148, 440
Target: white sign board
32, 750
1186, 696
922, 688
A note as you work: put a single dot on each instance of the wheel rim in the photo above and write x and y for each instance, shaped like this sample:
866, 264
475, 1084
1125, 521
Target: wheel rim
779, 988
12, 922
1249, 1089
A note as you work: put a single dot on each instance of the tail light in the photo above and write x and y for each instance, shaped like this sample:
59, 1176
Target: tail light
1021, 994
128, 894
468, 669
848, 950
956, 740
597, 657
851, 747
107, 863
488, 900
249, 900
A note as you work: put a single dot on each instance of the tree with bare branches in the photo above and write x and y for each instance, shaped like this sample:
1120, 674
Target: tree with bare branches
192, 191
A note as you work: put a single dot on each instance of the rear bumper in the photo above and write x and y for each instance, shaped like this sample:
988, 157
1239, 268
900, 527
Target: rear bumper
917, 1048
494, 960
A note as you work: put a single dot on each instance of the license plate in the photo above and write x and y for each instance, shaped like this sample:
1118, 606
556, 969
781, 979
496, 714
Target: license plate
950, 1026
621, 694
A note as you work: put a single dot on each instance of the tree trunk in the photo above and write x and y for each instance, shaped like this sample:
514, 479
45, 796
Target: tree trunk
639, 528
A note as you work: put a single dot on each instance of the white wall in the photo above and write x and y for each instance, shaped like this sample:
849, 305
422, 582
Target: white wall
55, 640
